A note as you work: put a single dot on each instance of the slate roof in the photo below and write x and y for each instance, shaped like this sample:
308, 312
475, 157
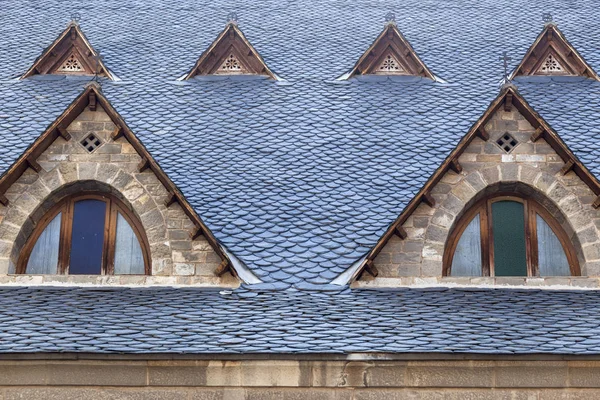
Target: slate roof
298, 178
200, 321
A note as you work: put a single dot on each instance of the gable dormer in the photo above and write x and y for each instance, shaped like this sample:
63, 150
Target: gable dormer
552, 55
70, 54
391, 54
230, 54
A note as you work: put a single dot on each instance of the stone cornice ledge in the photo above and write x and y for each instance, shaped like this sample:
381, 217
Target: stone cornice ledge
553, 283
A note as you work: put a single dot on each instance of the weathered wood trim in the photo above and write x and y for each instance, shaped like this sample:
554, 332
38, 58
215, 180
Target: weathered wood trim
483, 134
33, 164
401, 232
143, 165
455, 166
539, 132
171, 199
116, 133
371, 268
508, 102
428, 199
567, 167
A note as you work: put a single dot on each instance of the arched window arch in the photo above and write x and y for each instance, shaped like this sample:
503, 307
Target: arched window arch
509, 236
87, 234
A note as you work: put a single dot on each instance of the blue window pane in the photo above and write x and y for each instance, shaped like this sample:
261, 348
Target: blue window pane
87, 241
552, 259
467, 256
44, 256
129, 258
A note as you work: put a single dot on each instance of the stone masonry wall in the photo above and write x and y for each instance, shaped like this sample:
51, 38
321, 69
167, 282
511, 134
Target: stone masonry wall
299, 380
532, 169
69, 168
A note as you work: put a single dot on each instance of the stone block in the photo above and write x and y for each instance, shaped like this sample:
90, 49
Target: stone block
87, 170
177, 373
184, 269
407, 270
532, 374
406, 258
450, 374
584, 282
97, 374
92, 393
279, 373
224, 373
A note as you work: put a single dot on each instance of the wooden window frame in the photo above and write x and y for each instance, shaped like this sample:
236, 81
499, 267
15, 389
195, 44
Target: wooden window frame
66, 206
531, 209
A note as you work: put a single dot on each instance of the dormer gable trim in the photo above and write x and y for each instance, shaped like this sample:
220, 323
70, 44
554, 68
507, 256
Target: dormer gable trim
71, 42
391, 42
231, 44
90, 98
552, 43
508, 97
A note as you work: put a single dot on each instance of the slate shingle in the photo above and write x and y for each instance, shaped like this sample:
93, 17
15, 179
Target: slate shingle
288, 169
196, 321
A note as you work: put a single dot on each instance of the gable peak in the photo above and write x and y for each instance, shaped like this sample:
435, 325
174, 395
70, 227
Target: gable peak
391, 54
230, 54
69, 54
551, 54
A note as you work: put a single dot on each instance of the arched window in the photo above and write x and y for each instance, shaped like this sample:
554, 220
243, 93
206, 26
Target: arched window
509, 236
91, 234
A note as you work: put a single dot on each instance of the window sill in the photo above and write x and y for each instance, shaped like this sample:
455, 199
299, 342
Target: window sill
116, 280
558, 282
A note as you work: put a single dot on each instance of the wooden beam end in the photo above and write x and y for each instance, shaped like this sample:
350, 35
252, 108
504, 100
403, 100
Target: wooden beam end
371, 268
171, 199
567, 167
64, 133
92, 101
429, 200
401, 232
222, 268
483, 134
596, 203
196, 233
455, 166
33, 164
539, 132
3, 200
117, 133
144, 164
508, 102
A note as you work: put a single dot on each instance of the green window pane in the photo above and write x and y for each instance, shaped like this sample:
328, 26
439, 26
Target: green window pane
508, 227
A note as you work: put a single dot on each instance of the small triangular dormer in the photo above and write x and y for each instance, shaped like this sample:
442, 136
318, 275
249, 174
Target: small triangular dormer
391, 54
230, 54
552, 55
70, 54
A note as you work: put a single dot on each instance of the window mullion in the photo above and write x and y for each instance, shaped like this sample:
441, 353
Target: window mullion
531, 240
110, 229
65, 239
485, 241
